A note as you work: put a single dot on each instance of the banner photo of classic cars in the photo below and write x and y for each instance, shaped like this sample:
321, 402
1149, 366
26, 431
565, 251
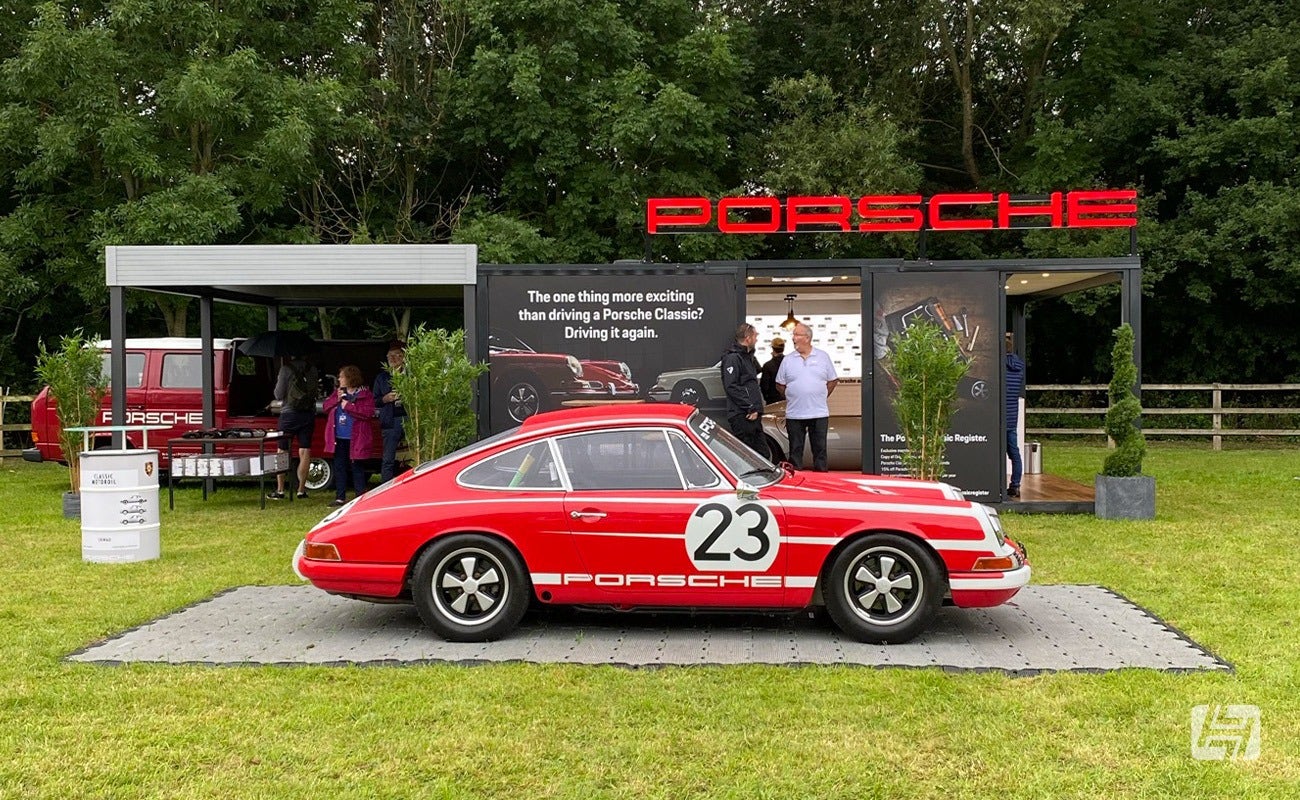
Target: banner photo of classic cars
558, 341
965, 306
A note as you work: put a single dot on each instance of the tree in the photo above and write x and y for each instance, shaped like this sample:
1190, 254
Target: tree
155, 122
574, 113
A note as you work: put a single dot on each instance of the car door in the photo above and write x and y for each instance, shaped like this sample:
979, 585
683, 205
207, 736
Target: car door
656, 523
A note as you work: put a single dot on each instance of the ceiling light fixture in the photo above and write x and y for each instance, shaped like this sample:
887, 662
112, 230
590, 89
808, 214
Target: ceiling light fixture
790, 321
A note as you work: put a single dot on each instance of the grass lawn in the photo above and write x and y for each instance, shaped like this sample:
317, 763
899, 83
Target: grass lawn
1219, 563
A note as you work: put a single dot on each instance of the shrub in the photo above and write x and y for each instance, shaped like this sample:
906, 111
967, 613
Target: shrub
1125, 411
77, 385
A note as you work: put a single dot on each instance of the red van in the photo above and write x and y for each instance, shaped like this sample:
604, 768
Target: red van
164, 387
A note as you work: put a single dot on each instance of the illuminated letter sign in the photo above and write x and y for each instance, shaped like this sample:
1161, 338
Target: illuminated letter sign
880, 213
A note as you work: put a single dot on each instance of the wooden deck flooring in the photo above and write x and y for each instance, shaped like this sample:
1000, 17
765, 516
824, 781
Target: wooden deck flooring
1051, 494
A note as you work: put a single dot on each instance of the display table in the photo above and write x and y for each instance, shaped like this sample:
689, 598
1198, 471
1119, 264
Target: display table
217, 442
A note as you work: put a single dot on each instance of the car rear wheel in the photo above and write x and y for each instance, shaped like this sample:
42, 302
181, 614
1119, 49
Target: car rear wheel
883, 588
520, 398
688, 392
470, 588
320, 475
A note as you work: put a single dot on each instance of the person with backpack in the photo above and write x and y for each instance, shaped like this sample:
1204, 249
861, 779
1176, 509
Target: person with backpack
297, 387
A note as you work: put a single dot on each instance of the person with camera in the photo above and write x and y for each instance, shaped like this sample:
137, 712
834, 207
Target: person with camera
349, 431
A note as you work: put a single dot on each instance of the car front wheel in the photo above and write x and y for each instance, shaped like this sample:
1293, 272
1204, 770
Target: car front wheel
470, 588
884, 588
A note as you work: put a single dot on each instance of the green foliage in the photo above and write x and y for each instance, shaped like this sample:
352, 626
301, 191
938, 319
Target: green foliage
75, 374
437, 390
1125, 412
928, 366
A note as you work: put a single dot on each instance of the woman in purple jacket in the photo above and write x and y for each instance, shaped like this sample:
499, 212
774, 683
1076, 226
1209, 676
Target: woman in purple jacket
349, 431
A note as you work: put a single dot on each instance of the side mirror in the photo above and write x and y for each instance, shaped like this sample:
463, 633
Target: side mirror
746, 491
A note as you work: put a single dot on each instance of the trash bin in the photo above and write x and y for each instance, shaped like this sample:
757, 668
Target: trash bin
1033, 458
119, 505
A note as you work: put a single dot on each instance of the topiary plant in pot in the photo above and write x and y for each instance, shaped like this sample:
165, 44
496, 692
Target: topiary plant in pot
928, 367
77, 385
1122, 491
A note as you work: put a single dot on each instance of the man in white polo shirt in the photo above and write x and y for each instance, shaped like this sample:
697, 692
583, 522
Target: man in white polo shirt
806, 378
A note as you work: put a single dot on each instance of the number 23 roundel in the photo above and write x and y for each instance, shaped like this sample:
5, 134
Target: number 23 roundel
730, 534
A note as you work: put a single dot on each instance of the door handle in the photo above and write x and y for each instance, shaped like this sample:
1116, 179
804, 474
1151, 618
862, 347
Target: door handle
587, 514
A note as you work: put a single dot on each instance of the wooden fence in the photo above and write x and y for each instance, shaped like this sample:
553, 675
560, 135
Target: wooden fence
9, 431
1161, 419
1084, 399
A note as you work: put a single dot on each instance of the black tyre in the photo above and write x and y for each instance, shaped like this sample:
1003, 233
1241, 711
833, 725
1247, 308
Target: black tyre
689, 392
883, 588
470, 588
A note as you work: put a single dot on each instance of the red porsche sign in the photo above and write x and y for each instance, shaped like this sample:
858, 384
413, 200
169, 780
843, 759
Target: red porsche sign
962, 211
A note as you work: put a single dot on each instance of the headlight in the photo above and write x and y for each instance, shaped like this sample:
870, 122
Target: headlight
626, 370
575, 366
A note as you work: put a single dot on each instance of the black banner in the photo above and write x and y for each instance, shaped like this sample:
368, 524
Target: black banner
965, 306
559, 341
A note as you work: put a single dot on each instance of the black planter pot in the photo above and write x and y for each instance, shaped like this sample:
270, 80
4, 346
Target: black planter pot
1125, 498
71, 505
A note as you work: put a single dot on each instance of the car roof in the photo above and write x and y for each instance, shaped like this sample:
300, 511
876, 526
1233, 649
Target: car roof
612, 414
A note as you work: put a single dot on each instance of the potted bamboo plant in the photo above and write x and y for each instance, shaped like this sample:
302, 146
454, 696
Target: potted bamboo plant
928, 367
77, 385
436, 387
1122, 491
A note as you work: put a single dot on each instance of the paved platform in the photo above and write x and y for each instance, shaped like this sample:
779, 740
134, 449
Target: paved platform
1045, 629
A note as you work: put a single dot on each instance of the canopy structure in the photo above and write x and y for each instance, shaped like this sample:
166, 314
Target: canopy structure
277, 276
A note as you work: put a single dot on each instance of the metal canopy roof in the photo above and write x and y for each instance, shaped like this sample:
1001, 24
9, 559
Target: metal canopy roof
300, 275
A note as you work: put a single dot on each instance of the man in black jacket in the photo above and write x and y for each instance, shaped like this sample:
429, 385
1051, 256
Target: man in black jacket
744, 398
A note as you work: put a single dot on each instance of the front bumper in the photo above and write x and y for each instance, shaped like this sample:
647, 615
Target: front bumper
32, 454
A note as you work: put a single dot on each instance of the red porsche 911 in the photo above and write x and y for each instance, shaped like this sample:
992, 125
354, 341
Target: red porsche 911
655, 506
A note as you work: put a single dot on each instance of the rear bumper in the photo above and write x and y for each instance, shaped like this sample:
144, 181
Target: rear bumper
32, 454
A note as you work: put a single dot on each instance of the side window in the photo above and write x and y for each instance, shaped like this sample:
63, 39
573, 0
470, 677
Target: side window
134, 369
627, 459
527, 467
696, 471
181, 371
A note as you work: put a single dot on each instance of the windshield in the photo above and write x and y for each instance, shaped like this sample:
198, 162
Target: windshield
741, 461
500, 340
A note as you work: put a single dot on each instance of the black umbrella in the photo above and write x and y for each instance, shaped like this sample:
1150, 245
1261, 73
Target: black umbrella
279, 343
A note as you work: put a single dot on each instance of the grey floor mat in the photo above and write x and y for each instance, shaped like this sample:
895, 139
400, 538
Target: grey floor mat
1044, 629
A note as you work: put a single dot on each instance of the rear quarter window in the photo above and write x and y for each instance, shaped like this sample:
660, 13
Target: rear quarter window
134, 369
